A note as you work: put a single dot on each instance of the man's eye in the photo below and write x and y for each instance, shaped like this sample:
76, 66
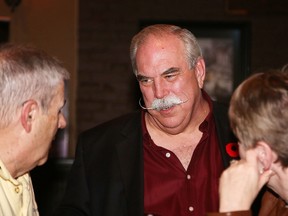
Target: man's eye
145, 81
60, 111
171, 76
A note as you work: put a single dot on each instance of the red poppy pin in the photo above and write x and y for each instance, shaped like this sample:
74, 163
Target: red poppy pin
232, 150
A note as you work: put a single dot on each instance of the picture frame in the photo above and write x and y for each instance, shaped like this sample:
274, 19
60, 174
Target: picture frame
225, 49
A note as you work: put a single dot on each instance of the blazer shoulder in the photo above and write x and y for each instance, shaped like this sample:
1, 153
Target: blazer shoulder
118, 124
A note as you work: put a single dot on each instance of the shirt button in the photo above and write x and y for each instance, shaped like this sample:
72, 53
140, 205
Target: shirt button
191, 208
168, 155
149, 214
17, 189
188, 177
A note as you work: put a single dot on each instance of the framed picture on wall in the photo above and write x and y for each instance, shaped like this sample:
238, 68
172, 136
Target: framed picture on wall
225, 48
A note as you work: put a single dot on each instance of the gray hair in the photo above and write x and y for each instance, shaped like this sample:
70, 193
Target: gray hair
27, 73
258, 112
192, 48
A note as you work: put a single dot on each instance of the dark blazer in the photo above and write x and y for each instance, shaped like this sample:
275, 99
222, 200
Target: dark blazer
107, 175
271, 205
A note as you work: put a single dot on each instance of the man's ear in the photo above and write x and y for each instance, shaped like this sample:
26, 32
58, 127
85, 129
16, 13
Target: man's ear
265, 155
200, 72
28, 114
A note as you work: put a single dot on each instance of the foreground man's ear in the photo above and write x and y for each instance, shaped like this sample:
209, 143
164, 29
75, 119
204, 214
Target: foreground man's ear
28, 114
265, 155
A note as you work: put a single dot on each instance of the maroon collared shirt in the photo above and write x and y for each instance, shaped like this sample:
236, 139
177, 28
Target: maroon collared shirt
170, 190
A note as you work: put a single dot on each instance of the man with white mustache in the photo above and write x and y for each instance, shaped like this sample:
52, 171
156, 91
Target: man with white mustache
164, 103
166, 159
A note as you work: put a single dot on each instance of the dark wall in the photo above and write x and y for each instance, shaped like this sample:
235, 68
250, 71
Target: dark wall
106, 86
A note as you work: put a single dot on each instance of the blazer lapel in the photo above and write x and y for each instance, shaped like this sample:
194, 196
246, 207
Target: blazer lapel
130, 153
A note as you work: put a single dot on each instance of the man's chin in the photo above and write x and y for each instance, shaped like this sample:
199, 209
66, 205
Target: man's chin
43, 161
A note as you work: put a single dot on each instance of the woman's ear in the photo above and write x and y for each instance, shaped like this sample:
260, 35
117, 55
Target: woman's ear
265, 155
200, 72
28, 114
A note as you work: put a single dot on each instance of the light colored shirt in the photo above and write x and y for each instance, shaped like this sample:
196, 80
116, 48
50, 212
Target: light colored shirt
16, 195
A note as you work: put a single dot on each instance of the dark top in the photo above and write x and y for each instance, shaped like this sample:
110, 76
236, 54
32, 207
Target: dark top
271, 205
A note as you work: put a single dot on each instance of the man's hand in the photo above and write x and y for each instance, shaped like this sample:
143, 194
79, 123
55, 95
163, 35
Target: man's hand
241, 182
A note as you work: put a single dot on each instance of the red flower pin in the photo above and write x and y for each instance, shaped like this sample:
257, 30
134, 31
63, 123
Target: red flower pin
232, 150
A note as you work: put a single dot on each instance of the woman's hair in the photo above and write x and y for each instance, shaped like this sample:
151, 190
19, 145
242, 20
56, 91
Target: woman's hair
192, 48
259, 112
27, 73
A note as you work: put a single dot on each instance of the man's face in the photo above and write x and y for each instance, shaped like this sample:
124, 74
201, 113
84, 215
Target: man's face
47, 126
163, 70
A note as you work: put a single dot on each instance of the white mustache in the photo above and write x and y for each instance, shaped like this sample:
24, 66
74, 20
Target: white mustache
164, 103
